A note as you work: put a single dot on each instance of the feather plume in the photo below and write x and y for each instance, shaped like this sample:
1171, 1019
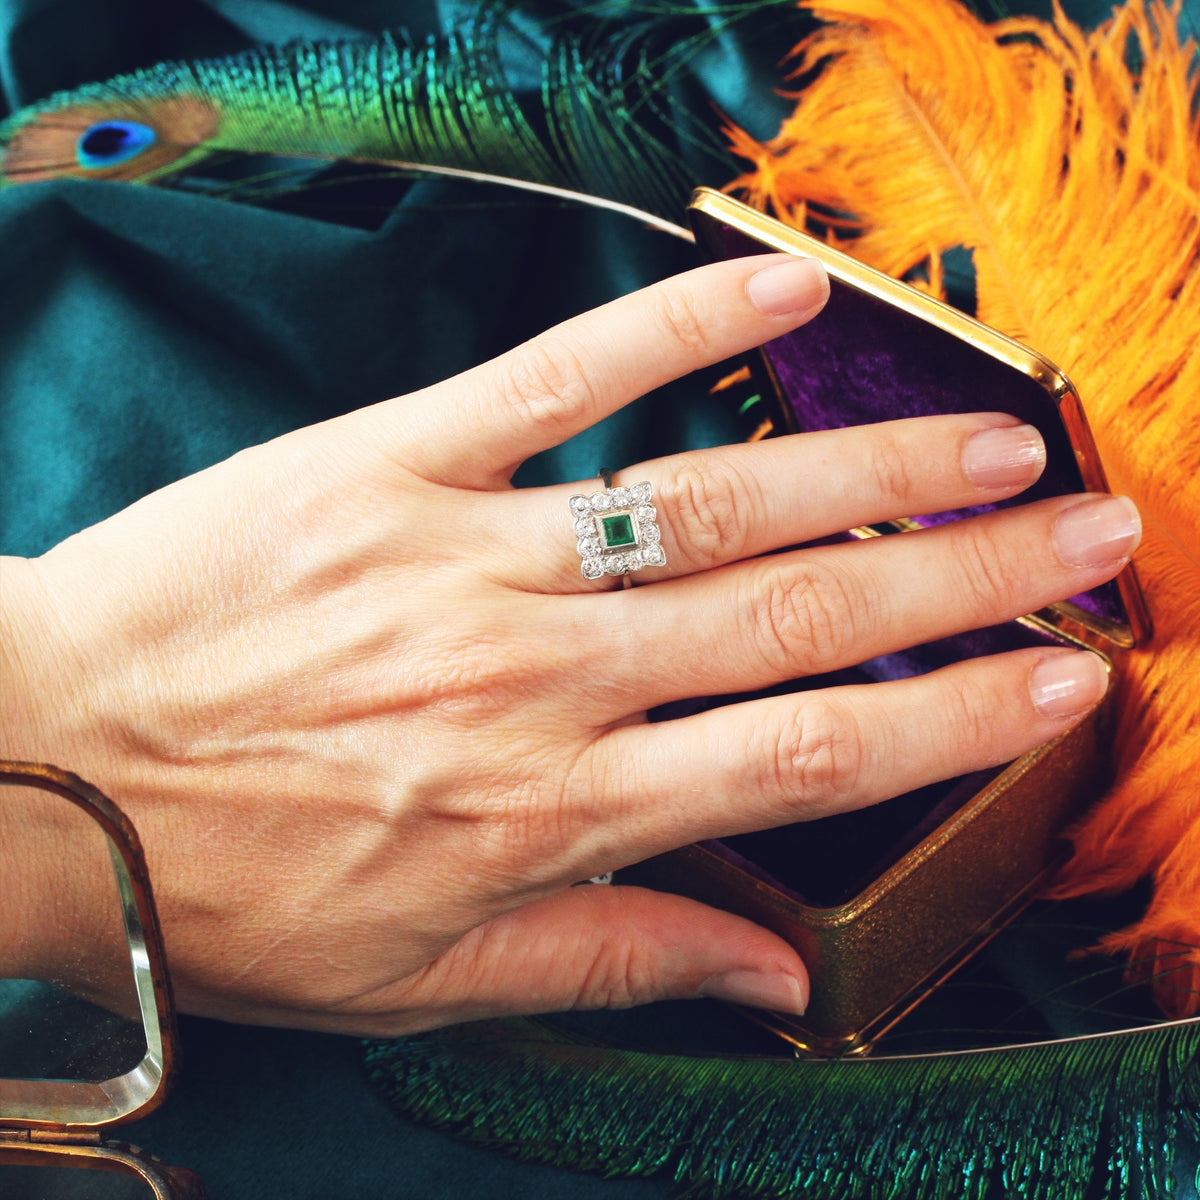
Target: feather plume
1069, 165
599, 120
1097, 1117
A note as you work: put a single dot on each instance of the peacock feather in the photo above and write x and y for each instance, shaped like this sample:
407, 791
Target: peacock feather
595, 117
1101, 1117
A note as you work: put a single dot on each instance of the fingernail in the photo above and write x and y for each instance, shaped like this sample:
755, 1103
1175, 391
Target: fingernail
1006, 457
1068, 684
1097, 531
775, 990
799, 286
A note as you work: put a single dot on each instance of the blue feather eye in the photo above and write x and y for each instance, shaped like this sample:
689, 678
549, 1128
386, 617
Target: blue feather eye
113, 142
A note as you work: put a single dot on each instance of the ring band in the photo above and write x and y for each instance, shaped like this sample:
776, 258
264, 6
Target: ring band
617, 529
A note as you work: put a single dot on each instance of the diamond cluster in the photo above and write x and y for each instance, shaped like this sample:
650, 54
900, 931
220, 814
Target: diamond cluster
617, 531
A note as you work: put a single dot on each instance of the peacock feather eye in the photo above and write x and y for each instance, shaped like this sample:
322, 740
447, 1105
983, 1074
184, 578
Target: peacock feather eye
111, 142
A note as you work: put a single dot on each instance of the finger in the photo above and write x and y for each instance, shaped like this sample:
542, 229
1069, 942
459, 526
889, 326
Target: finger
733, 502
776, 761
759, 623
596, 947
476, 429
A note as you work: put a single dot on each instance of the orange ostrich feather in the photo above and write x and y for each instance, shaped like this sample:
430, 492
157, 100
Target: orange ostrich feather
1069, 165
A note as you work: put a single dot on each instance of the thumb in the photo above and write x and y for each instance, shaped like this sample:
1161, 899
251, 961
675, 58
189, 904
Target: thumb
608, 947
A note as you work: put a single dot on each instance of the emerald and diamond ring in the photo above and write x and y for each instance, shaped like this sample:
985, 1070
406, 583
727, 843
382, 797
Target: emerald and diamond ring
617, 531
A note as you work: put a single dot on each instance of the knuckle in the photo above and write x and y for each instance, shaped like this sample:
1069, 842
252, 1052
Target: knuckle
533, 826
711, 511
518, 827
619, 976
678, 316
547, 384
803, 619
607, 983
467, 674
820, 758
475, 679
892, 473
988, 577
546, 814
970, 720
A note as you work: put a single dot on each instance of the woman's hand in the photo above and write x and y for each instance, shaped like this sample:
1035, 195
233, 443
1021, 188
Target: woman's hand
371, 722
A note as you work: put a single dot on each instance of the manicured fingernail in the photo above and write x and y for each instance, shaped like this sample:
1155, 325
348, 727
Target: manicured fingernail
799, 286
1097, 531
775, 990
1009, 456
1065, 685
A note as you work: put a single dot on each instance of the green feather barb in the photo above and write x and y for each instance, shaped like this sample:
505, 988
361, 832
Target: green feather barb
1097, 1117
595, 122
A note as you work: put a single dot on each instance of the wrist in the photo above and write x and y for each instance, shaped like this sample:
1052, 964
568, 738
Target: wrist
18, 638
53, 859
50, 710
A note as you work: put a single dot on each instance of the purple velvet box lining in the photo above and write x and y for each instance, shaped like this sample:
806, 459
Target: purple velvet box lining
863, 360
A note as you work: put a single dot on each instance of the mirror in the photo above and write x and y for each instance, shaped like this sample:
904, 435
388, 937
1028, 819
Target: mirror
26, 1182
80, 1022
86, 1034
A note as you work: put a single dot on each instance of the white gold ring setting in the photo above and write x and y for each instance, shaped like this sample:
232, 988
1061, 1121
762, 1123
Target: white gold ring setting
617, 531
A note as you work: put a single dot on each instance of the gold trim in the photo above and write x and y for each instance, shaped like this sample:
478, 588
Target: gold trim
164, 1181
770, 232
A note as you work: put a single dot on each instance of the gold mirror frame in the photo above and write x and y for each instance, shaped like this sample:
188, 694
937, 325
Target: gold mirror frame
58, 1123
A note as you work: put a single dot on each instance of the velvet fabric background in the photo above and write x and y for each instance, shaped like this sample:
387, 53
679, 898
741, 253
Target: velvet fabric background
147, 333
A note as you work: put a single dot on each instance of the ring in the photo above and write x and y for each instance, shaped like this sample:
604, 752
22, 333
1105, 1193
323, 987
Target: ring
617, 529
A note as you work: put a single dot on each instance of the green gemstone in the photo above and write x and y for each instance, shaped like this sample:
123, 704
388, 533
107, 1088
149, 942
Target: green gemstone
618, 531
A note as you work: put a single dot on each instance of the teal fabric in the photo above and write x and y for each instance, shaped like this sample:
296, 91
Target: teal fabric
147, 333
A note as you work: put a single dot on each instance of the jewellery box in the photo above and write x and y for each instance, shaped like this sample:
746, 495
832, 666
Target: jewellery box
69, 1070
883, 903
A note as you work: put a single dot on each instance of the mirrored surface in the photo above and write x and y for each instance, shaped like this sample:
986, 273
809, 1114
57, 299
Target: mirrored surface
76, 1018
80, 1042
46, 1032
63, 1183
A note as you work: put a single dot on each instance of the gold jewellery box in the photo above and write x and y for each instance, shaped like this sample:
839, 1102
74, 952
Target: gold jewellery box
884, 903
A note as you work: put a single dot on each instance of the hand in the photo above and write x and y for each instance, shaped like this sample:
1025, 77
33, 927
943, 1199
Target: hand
371, 723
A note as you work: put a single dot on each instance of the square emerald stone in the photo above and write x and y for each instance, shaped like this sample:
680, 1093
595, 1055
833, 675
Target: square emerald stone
618, 531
